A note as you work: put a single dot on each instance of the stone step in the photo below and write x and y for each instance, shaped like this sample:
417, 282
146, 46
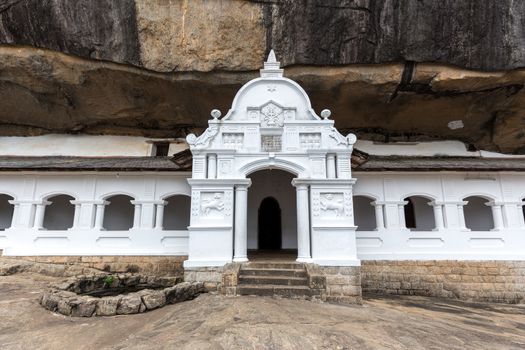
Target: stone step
272, 272
274, 280
278, 290
274, 265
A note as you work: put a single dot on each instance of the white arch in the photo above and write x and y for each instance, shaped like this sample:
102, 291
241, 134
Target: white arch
175, 193
58, 193
419, 194
367, 195
117, 193
265, 164
242, 92
486, 196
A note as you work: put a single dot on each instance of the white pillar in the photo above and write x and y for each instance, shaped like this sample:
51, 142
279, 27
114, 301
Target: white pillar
136, 214
330, 166
461, 215
99, 215
438, 215
401, 213
159, 216
380, 221
241, 224
39, 215
521, 215
303, 224
76, 217
497, 215
212, 166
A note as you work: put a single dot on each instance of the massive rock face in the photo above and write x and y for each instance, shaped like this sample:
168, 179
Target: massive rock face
385, 68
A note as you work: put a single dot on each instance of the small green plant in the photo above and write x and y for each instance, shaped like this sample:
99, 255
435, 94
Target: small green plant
108, 280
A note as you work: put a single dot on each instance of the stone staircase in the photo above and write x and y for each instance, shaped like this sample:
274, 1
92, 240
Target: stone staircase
285, 279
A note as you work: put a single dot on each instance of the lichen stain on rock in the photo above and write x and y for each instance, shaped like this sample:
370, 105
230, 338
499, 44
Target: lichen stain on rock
200, 35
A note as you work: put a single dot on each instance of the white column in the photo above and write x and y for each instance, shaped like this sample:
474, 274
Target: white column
497, 215
99, 215
76, 217
461, 215
39, 215
330, 166
521, 217
438, 215
212, 166
380, 221
241, 224
303, 224
136, 214
159, 216
401, 213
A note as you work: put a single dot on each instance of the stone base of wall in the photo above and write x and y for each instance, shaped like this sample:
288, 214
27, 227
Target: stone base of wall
343, 284
152, 265
210, 276
485, 281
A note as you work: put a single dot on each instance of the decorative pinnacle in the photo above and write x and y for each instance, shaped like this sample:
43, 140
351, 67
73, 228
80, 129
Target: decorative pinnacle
272, 68
271, 57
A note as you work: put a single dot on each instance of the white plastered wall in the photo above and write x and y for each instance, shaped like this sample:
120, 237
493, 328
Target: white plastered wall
447, 190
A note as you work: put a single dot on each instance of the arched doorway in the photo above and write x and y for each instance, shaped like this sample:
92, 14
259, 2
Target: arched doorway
272, 208
269, 229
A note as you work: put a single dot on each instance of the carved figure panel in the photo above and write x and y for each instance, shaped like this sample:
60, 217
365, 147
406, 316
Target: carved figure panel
203, 140
332, 204
212, 204
271, 115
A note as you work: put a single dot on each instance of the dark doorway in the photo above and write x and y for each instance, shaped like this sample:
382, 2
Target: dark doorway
269, 224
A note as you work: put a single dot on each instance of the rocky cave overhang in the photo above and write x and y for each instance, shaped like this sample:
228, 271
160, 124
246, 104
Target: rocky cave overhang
406, 70
45, 91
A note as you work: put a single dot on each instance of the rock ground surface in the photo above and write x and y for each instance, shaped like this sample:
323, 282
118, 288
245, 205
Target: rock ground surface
217, 322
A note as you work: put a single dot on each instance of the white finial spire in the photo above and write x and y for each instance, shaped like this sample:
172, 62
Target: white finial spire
271, 57
271, 67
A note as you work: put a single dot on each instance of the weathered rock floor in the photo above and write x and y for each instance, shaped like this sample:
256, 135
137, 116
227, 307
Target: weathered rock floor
216, 322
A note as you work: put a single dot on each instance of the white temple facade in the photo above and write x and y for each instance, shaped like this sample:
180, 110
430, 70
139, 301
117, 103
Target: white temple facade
270, 174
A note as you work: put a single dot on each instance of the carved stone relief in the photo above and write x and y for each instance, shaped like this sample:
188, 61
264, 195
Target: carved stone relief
212, 203
203, 140
272, 115
310, 140
232, 140
332, 203
195, 201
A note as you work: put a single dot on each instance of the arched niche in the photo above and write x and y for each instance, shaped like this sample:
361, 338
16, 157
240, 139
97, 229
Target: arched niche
59, 215
419, 215
177, 212
478, 216
364, 213
119, 213
6, 211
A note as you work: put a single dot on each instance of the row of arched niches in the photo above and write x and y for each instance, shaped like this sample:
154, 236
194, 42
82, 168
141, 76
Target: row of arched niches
119, 213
